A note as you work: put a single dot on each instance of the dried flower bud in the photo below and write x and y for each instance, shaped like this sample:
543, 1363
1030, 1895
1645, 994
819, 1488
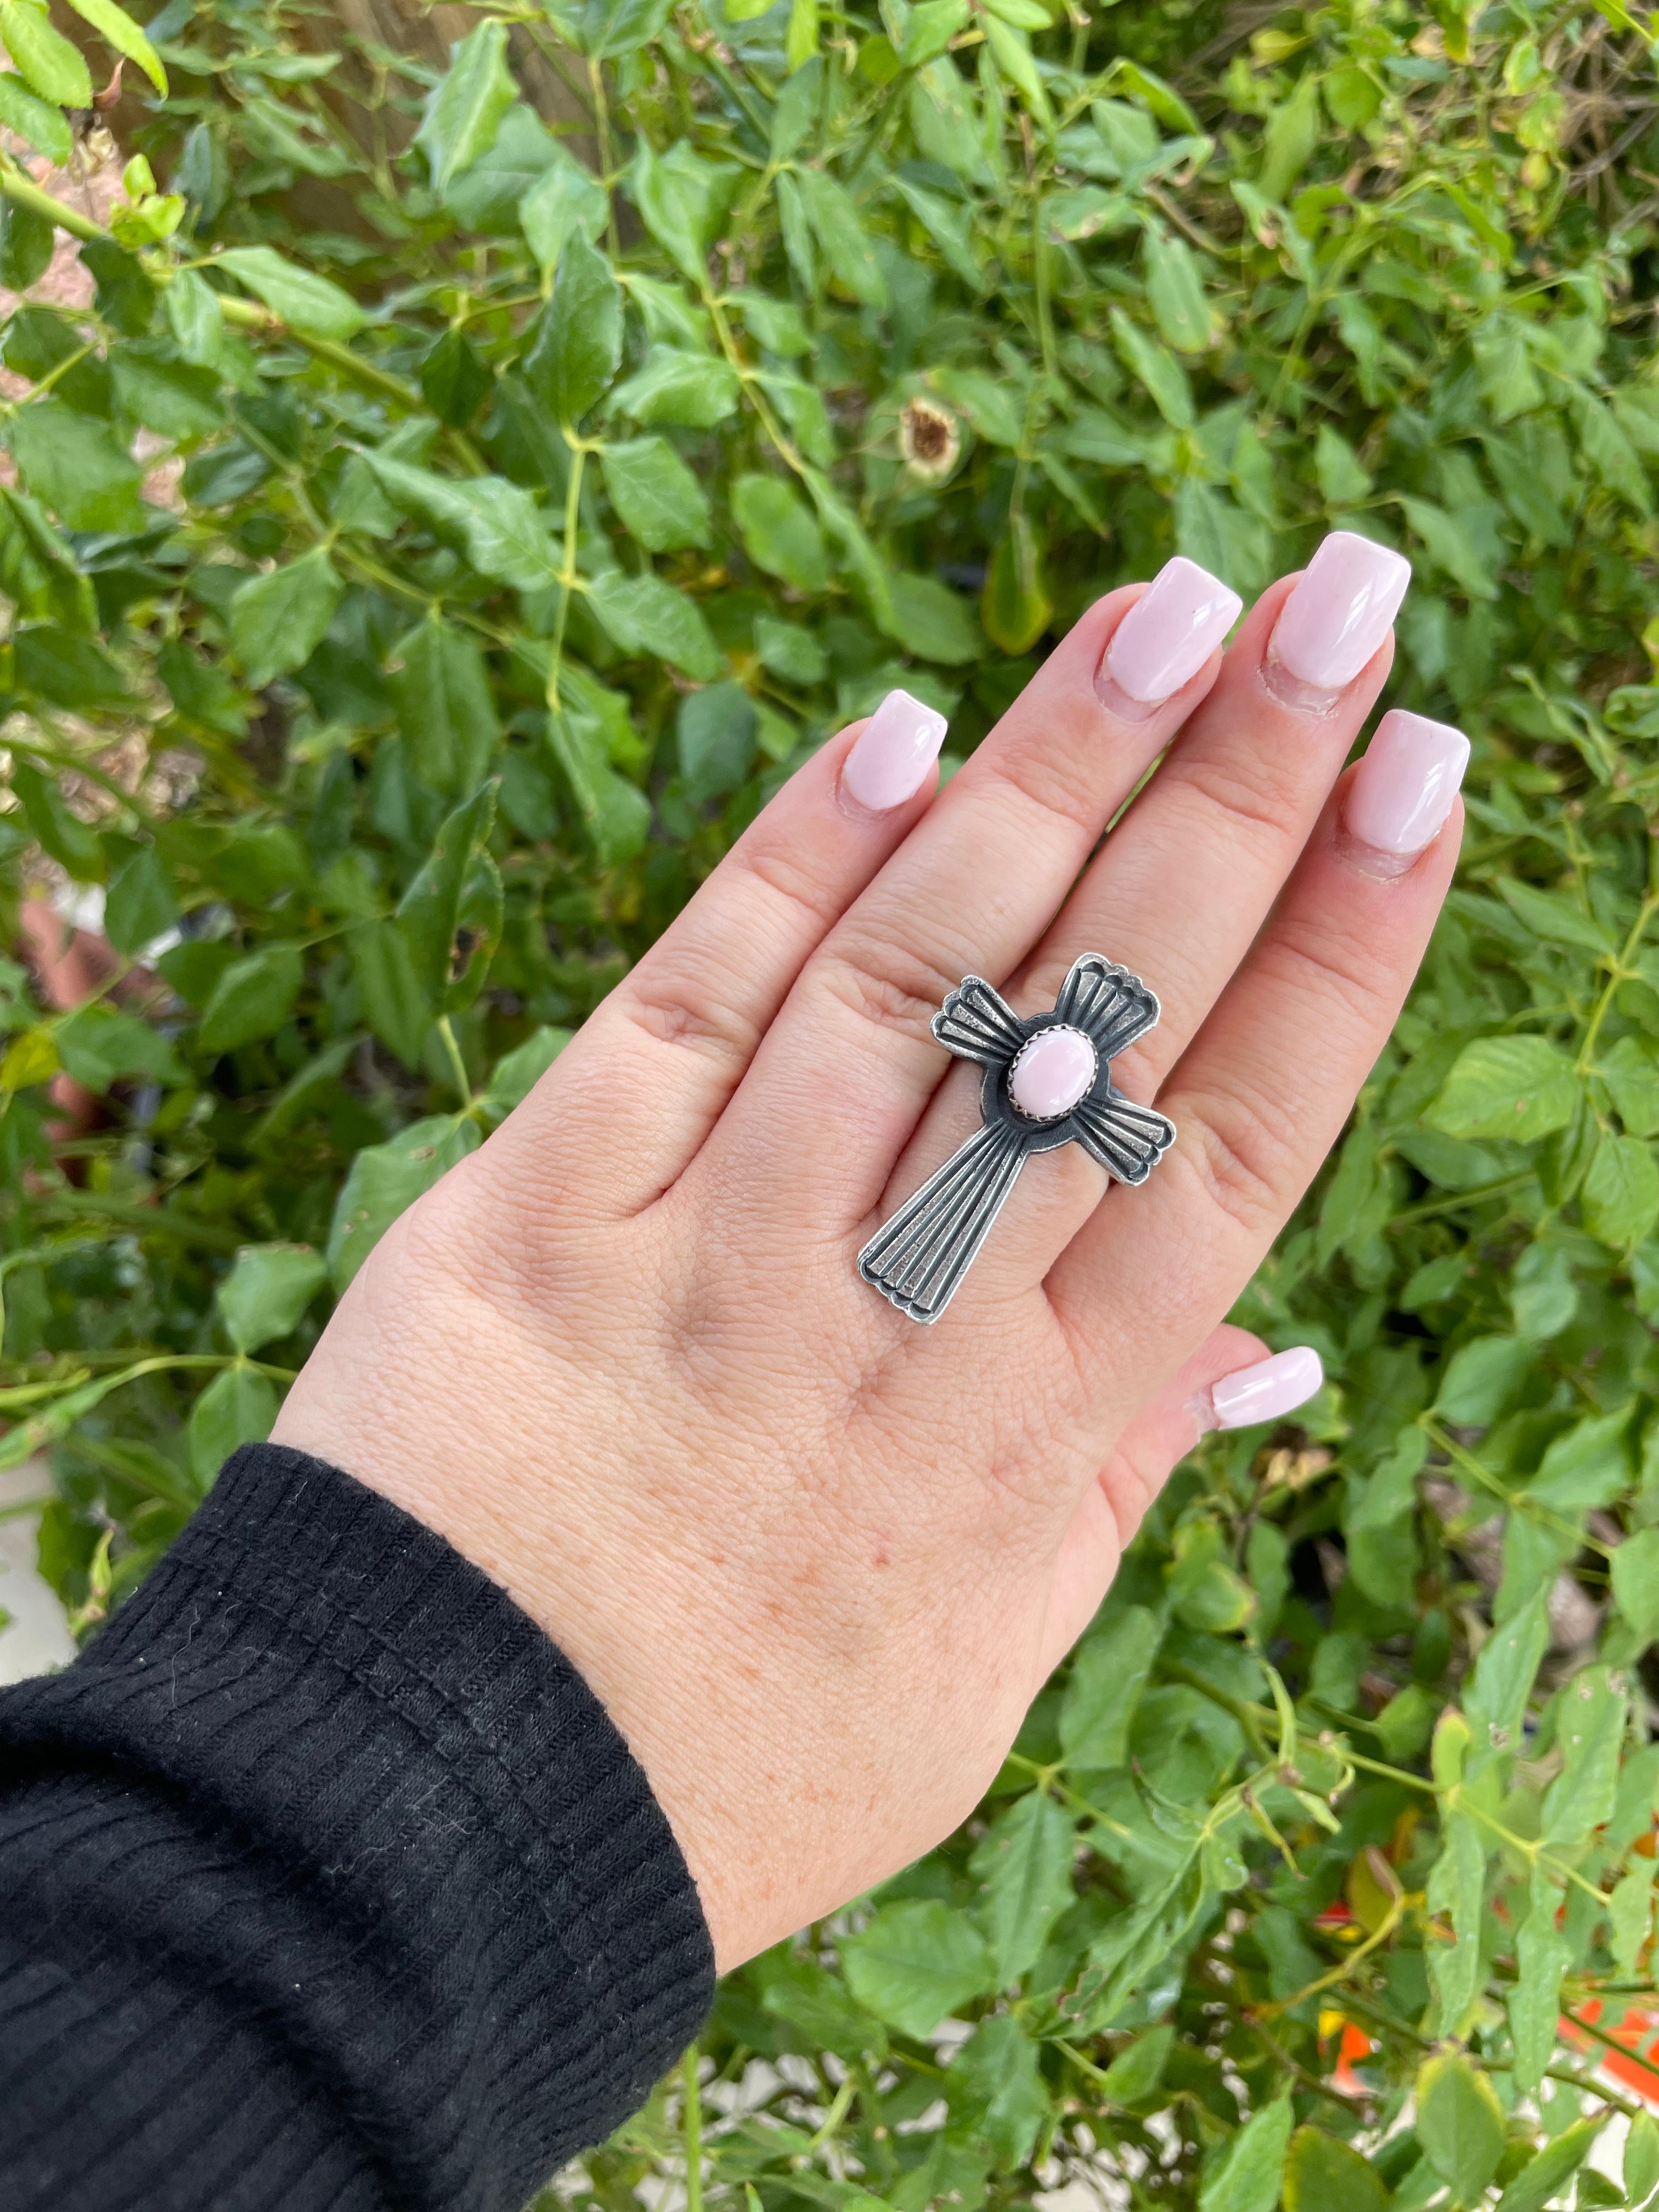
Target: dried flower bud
929, 438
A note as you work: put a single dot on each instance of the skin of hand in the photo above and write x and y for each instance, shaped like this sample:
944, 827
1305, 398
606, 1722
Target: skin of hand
816, 1560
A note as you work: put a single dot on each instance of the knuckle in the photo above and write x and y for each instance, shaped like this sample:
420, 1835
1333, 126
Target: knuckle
1243, 794
1060, 781
678, 1009
1343, 976
1240, 1149
891, 986
783, 874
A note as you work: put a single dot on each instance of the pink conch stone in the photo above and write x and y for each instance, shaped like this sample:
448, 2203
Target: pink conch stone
1052, 1072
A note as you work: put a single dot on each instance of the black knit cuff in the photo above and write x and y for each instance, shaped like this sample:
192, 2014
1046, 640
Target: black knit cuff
378, 1841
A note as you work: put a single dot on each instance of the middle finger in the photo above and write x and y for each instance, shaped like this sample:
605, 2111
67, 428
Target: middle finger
1185, 882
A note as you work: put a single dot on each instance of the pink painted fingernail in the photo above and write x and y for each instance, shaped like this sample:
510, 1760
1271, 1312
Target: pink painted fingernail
1170, 632
1406, 784
896, 747
1338, 614
1270, 1388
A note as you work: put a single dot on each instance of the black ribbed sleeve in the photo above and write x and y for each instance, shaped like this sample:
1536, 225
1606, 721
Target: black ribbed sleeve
324, 1882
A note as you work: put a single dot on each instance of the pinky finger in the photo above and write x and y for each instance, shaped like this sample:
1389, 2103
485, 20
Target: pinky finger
1230, 1382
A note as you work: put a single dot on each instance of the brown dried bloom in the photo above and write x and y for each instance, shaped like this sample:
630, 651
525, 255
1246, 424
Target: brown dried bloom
929, 438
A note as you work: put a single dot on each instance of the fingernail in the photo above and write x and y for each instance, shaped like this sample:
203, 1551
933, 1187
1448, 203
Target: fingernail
1270, 1389
1169, 633
1338, 614
897, 746
1405, 786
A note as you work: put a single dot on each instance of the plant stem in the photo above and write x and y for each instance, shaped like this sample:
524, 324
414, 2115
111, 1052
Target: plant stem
457, 1065
693, 2130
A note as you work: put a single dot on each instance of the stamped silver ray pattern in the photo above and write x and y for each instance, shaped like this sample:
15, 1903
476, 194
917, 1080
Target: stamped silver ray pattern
918, 1259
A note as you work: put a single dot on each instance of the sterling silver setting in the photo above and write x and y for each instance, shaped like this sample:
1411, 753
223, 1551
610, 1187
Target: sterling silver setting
918, 1259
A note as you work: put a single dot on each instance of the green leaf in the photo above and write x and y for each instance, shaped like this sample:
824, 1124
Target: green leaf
995, 412
516, 1073
497, 523
1520, 1087
915, 1963
446, 709
692, 389
1619, 1195
779, 533
1455, 1885
848, 248
27, 241
1460, 2124
385, 1179
1289, 141
68, 670
659, 501
238, 1407
124, 35
1156, 368
1641, 2167
139, 907
1631, 1071
395, 1005
1557, 919
1016, 607
454, 382
306, 302
1542, 1954
463, 110
1543, 2176
252, 999
74, 844
645, 615
75, 466
996, 2089
1481, 1377
1109, 1670
1135, 2073
1175, 290
797, 1988
278, 621
430, 912
683, 199
579, 339
1630, 1920
1025, 1866
789, 651
1324, 2175
267, 1291
50, 65
1495, 1698
715, 729
99, 1047
563, 203
1635, 1573
44, 126
1251, 2172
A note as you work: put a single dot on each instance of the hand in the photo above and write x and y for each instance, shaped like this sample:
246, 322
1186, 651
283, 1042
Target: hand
816, 1559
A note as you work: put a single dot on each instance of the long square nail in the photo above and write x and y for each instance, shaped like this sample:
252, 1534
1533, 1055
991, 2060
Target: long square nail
895, 749
1339, 613
1403, 789
1170, 632
1270, 1389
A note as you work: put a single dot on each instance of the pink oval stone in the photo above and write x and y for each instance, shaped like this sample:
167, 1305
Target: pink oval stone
1052, 1072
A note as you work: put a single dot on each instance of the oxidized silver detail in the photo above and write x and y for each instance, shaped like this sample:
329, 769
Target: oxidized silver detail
918, 1259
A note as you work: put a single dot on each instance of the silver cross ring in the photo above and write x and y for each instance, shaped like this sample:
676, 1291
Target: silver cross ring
1047, 1082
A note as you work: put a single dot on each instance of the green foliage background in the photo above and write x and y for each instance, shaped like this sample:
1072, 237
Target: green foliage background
573, 439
